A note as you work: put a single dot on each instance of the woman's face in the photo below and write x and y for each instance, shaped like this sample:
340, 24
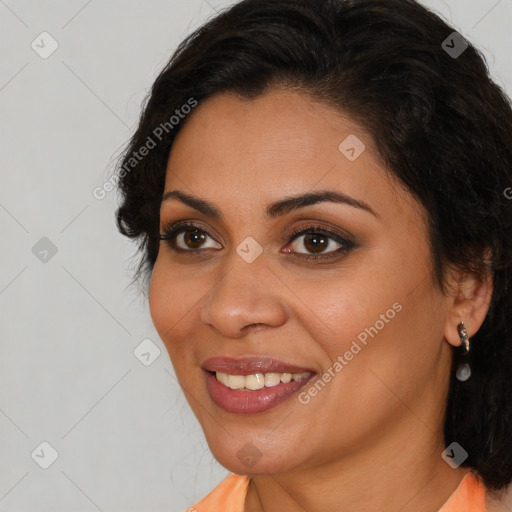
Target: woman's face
351, 297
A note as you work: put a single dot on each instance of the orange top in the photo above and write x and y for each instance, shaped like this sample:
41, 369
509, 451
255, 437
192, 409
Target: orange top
229, 496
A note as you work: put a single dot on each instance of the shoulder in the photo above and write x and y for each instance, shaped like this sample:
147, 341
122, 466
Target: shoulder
229, 496
471, 496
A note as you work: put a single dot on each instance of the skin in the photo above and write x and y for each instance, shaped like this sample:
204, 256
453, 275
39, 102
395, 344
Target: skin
378, 424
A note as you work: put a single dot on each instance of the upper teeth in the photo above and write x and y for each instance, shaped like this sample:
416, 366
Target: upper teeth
258, 380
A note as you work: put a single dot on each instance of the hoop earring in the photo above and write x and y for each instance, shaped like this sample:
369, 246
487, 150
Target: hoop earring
463, 372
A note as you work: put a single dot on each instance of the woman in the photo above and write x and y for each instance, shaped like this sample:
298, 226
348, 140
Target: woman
326, 236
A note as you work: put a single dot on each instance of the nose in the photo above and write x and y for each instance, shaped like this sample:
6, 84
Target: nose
246, 295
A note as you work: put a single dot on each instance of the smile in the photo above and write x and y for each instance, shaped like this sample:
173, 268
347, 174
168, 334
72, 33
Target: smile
252, 384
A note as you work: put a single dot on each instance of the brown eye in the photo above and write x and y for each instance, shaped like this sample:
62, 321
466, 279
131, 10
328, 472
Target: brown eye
193, 238
315, 242
187, 238
318, 243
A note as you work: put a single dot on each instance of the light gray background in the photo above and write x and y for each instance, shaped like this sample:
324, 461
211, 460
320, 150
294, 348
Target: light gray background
125, 438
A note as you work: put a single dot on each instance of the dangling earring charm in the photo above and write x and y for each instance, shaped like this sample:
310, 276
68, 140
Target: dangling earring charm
463, 370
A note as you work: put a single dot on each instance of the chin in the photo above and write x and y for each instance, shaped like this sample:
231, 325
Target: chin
253, 457
263, 466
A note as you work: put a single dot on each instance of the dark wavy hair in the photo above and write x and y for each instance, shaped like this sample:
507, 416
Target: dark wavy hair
440, 124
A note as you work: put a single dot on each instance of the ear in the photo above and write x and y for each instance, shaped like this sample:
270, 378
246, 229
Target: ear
470, 299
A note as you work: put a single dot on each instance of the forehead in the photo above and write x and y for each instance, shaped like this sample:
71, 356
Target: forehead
240, 150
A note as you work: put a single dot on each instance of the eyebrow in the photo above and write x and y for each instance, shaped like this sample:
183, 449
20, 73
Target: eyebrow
276, 209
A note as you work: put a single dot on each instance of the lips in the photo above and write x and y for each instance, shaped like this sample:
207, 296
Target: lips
244, 401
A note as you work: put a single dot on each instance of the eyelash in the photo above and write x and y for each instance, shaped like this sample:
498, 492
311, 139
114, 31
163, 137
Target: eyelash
170, 232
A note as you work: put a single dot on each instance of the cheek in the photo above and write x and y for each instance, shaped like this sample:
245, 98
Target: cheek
349, 306
171, 302
160, 306
379, 341
368, 359
383, 315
